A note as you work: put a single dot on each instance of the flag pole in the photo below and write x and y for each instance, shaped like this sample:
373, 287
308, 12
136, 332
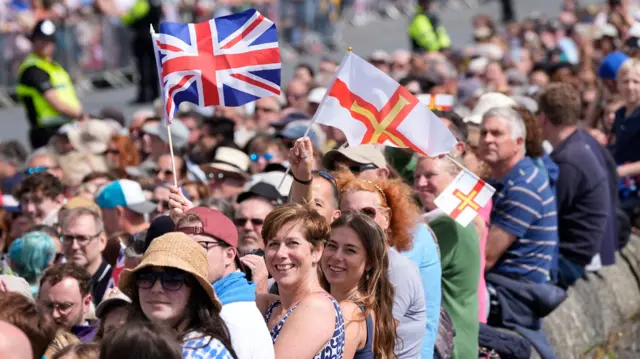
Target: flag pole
460, 165
166, 122
313, 120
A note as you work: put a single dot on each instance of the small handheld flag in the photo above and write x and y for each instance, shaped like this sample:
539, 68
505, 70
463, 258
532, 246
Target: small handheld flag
464, 197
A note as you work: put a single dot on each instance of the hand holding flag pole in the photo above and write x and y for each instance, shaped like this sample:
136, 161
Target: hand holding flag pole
167, 119
306, 133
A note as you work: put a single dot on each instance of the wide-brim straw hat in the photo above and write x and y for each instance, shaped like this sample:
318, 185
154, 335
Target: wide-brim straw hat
174, 250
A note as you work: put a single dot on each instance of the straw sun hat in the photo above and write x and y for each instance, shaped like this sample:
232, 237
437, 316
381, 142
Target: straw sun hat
174, 250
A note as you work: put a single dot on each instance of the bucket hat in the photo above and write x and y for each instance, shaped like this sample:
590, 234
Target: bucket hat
173, 250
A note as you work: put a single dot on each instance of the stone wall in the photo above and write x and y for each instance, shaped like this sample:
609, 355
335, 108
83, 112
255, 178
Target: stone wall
602, 310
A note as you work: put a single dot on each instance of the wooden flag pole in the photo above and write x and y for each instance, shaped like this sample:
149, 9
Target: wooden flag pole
313, 120
166, 122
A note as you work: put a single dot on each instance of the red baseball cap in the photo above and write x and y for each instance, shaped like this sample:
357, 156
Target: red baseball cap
214, 224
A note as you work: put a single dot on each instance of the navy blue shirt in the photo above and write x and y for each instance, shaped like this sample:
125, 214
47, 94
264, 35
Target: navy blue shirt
627, 131
610, 240
525, 206
583, 199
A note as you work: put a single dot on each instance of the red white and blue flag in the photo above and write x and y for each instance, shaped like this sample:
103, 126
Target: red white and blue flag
229, 61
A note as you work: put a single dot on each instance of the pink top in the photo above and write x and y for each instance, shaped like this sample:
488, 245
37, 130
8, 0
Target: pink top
485, 214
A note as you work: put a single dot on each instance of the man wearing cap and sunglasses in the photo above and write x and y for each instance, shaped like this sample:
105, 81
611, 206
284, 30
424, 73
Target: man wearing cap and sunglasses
45, 88
218, 236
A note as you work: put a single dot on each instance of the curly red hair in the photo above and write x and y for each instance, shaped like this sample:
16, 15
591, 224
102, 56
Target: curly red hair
395, 195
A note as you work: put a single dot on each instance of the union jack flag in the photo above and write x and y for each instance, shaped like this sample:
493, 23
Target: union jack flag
230, 61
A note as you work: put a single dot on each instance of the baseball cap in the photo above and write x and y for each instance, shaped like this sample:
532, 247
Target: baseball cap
18, 285
297, 130
364, 154
44, 30
485, 103
262, 190
611, 64
214, 224
179, 132
124, 193
116, 297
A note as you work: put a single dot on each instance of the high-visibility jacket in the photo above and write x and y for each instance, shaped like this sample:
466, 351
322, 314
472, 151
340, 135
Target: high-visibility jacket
138, 11
46, 115
424, 36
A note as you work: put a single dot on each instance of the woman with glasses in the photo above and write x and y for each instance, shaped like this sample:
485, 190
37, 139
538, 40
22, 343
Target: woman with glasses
30, 255
355, 265
170, 288
389, 202
306, 321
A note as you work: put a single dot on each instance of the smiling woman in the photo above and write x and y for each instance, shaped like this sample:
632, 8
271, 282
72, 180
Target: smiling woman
306, 322
170, 288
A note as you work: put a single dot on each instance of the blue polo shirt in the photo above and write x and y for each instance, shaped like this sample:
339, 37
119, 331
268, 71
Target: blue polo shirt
525, 206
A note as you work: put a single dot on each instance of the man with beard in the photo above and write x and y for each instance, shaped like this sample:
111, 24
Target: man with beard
65, 294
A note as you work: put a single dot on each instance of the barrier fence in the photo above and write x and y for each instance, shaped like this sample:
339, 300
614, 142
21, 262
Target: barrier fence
96, 49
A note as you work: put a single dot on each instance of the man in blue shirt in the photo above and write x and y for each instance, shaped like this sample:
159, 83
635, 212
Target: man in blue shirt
523, 239
585, 208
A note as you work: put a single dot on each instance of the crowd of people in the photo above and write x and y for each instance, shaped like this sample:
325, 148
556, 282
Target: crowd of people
113, 246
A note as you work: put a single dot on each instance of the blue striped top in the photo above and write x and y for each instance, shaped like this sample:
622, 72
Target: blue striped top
525, 206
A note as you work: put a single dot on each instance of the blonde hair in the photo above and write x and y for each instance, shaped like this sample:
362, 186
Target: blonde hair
627, 66
60, 341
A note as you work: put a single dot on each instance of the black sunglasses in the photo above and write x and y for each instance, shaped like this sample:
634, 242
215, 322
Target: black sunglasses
170, 280
241, 222
164, 171
360, 168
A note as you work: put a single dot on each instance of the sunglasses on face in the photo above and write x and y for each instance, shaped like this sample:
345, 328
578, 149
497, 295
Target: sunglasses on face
32, 170
112, 152
368, 211
361, 168
157, 171
255, 157
222, 177
241, 222
169, 280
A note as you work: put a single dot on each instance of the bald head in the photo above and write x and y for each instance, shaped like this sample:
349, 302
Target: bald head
14, 344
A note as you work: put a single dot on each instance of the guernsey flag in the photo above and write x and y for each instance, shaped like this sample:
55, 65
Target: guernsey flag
370, 107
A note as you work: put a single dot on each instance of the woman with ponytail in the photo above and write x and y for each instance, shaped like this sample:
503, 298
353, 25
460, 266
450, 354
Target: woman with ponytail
355, 264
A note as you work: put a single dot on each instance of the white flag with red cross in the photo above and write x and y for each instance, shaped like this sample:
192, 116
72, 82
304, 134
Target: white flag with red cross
368, 106
440, 102
464, 197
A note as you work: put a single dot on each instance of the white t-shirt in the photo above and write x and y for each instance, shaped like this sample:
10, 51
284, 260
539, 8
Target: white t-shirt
249, 334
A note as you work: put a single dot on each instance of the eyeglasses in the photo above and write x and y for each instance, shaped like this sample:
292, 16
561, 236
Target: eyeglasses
67, 239
367, 211
169, 280
222, 177
63, 308
241, 222
112, 152
268, 156
32, 170
166, 172
361, 168
208, 245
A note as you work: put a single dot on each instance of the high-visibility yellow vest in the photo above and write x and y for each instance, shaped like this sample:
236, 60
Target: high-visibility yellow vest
138, 11
46, 115
425, 36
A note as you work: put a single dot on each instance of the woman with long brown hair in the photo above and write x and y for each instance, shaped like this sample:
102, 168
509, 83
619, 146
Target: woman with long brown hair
355, 265
390, 203
122, 153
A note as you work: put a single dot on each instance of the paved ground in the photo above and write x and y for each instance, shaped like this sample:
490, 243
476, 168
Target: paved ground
387, 35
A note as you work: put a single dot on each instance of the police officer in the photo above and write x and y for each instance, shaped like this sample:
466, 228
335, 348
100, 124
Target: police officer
426, 31
45, 88
138, 16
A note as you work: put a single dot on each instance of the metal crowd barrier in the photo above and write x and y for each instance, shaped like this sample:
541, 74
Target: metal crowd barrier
93, 50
